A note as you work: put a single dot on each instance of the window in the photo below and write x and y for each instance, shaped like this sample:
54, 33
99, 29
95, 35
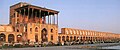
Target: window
17, 30
25, 30
51, 37
51, 30
30, 30
14, 15
36, 29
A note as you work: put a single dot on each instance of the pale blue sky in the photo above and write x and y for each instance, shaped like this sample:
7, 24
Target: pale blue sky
99, 15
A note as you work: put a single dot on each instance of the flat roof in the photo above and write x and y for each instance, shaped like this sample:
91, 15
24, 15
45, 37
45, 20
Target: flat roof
36, 7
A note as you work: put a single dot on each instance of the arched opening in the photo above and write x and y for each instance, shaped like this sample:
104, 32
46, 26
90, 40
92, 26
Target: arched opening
59, 38
2, 37
71, 38
36, 29
67, 38
74, 38
51, 30
78, 38
44, 35
36, 37
17, 30
10, 38
63, 38
19, 38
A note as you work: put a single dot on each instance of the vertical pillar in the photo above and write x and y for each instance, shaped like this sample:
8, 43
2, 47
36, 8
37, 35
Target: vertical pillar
31, 18
20, 17
40, 17
48, 17
54, 18
57, 19
15, 38
35, 17
28, 15
44, 18
6, 38
23, 15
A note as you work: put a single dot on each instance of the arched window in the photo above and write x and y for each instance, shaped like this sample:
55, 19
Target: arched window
10, 38
74, 38
67, 38
51, 37
2, 37
51, 30
63, 38
36, 29
17, 30
59, 38
71, 38
30, 30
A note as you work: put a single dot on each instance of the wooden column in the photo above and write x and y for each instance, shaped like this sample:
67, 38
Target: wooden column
23, 16
20, 17
54, 18
35, 18
31, 18
48, 17
40, 16
57, 19
28, 15
44, 19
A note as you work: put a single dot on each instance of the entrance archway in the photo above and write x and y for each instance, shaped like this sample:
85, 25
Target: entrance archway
2, 37
67, 38
59, 38
63, 38
10, 38
19, 38
71, 38
36, 37
44, 35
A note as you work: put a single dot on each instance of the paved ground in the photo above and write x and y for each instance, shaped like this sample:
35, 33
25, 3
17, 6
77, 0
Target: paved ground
74, 47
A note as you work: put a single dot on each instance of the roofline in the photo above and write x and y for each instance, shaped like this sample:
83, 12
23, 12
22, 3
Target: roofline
38, 7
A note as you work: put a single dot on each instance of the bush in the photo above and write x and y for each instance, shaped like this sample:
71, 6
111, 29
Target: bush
50, 44
18, 46
43, 45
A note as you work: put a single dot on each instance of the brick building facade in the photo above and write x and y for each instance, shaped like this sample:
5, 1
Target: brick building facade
29, 23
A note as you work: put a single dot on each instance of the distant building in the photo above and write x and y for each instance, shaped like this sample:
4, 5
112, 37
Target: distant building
29, 23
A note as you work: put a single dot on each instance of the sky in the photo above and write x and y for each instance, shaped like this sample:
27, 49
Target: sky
98, 15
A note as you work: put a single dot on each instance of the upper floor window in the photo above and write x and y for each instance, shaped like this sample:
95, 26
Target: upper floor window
36, 29
31, 30
17, 30
51, 37
51, 30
